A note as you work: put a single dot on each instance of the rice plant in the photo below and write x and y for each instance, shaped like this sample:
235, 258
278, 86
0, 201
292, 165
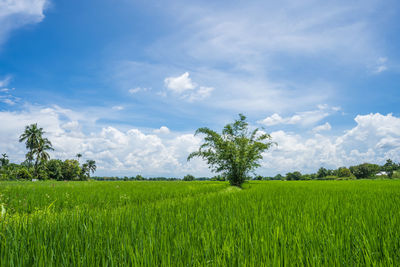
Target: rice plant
330, 223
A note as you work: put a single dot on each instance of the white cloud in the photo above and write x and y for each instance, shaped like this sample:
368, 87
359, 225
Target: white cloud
381, 65
180, 84
116, 152
186, 88
5, 81
5, 93
240, 48
137, 90
305, 118
7, 101
249, 33
118, 107
17, 13
374, 138
323, 127
200, 94
162, 130
134, 90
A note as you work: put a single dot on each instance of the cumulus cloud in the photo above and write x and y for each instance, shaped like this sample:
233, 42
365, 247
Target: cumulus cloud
374, 138
186, 88
305, 118
180, 84
17, 13
323, 127
116, 152
162, 130
200, 94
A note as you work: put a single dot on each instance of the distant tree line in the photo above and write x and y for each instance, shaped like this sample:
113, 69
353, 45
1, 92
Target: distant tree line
362, 171
38, 165
219, 150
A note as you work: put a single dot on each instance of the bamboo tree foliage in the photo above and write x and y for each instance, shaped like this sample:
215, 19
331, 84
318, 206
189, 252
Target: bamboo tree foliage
235, 152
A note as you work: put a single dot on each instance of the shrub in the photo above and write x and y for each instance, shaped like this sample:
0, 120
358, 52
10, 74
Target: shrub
293, 175
188, 177
343, 172
71, 170
23, 173
365, 170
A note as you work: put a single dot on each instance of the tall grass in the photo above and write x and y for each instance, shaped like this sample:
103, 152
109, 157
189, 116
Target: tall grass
335, 223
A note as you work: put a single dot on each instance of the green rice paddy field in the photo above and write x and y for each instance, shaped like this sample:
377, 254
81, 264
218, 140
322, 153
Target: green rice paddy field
319, 223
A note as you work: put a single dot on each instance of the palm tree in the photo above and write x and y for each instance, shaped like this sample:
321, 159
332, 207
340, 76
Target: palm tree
90, 167
41, 150
31, 135
41, 153
4, 160
79, 155
36, 144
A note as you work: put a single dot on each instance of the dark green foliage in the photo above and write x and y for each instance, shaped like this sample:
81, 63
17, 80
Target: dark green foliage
365, 170
259, 178
235, 152
70, 170
54, 169
343, 172
293, 176
306, 177
322, 172
87, 168
139, 177
188, 177
4, 160
396, 174
390, 167
23, 173
38, 164
218, 178
37, 146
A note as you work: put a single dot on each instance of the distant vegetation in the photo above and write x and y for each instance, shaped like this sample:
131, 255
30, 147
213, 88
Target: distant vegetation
39, 166
234, 154
362, 171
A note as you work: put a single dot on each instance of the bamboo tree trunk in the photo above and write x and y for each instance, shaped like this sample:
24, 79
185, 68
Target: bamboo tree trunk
36, 167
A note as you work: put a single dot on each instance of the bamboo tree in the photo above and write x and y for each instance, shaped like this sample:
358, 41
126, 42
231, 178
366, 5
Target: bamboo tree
235, 152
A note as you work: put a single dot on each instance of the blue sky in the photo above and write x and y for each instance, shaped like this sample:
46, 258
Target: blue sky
127, 83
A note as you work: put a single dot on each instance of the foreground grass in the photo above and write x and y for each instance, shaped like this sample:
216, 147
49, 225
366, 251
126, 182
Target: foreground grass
200, 223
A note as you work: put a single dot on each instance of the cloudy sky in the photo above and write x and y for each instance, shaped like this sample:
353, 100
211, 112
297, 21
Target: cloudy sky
127, 82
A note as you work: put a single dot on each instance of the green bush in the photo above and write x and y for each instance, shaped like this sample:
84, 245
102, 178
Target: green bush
188, 177
71, 170
23, 173
343, 172
396, 174
365, 170
54, 169
293, 176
